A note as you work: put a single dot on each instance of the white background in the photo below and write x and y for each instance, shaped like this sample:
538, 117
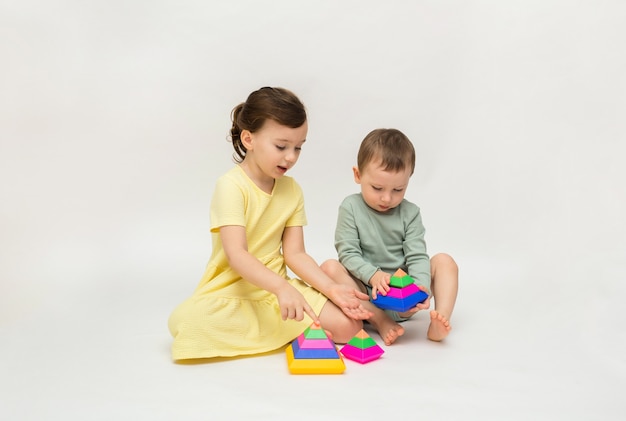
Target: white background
113, 123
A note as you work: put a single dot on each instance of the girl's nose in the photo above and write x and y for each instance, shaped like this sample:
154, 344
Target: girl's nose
291, 157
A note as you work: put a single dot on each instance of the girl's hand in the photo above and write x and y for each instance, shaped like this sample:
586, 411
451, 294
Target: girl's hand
380, 283
349, 300
293, 305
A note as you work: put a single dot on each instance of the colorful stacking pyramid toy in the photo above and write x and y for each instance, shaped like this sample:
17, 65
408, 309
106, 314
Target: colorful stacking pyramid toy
362, 348
313, 353
403, 294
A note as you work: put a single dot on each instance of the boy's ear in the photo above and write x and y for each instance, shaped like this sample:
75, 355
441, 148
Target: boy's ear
357, 175
246, 139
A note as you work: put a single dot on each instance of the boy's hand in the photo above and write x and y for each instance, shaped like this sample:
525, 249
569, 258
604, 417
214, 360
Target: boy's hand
380, 283
425, 305
293, 305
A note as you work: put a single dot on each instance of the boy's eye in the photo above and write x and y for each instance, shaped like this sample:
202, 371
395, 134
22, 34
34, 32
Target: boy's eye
398, 190
377, 188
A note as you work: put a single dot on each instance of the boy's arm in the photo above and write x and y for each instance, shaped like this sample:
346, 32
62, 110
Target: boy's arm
417, 259
348, 245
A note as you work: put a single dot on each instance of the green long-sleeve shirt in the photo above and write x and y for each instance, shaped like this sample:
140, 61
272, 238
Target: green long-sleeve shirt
367, 240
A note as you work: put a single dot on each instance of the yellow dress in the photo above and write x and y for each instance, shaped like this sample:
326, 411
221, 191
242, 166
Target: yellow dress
226, 315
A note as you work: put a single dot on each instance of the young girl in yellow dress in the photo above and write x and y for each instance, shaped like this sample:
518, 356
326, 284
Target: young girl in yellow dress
246, 303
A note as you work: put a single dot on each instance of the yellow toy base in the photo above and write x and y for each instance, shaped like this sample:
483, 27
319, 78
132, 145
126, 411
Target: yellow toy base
313, 366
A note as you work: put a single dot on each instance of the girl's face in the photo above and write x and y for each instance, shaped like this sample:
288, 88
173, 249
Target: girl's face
272, 150
382, 190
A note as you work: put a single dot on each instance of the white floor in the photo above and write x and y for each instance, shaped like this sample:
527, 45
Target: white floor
515, 353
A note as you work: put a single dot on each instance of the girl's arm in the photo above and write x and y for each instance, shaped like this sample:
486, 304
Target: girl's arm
346, 298
292, 303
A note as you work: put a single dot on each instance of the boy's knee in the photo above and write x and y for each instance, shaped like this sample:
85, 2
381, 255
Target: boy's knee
331, 267
444, 260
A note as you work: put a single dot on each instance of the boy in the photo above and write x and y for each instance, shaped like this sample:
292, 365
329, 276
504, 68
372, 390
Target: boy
378, 232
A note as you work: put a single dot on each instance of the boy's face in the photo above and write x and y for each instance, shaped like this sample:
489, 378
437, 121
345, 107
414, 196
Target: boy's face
382, 190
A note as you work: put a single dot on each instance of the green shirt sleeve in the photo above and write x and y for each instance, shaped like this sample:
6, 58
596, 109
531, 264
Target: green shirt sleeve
348, 241
414, 247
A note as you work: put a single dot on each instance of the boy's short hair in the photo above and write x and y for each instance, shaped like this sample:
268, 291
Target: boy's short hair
391, 147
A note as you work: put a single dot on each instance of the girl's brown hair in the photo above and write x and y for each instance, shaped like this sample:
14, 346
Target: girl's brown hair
277, 104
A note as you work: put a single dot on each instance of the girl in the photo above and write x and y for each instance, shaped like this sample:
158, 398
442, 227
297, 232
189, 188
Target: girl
245, 303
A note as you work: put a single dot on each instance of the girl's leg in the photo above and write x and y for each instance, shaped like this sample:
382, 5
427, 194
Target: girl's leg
387, 328
445, 284
341, 327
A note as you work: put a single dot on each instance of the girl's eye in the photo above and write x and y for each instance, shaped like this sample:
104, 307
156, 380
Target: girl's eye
280, 148
377, 188
398, 190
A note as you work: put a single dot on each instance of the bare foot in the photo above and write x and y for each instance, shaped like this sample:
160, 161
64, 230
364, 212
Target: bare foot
439, 327
388, 330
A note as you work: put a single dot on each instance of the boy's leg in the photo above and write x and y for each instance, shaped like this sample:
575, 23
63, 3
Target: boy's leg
387, 328
445, 285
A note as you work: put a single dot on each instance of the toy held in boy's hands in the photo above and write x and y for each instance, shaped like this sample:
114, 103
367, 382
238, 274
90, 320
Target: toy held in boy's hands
312, 352
362, 348
403, 294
